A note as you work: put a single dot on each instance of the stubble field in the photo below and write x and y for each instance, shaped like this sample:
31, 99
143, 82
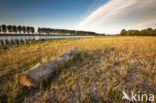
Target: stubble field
102, 69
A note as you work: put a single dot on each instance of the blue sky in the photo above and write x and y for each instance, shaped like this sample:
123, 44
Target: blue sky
102, 16
46, 13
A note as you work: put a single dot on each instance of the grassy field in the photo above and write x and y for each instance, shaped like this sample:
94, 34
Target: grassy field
102, 69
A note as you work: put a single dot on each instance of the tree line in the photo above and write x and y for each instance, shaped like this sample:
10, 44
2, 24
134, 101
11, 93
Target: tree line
63, 31
144, 32
16, 29
13, 29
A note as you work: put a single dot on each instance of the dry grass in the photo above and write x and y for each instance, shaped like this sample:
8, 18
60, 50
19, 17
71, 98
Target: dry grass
103, 68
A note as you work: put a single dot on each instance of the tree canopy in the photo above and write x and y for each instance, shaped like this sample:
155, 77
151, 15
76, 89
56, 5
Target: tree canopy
144, 32
16, 29
13, 29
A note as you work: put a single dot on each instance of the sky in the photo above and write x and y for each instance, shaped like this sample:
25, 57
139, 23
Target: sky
101, 16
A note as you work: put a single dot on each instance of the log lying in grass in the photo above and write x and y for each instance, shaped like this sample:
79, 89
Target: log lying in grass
43, 71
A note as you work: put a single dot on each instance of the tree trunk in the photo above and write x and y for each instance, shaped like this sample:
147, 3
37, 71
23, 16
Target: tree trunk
43, 71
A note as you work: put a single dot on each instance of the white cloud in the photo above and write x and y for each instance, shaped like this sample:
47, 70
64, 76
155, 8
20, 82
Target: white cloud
93, 7
118, 14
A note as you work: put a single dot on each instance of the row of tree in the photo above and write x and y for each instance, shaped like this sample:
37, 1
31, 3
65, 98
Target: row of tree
144, 32
9, 29
63, 31
16, 29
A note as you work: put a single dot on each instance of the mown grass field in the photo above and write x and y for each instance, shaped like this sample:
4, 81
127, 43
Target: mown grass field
102, 69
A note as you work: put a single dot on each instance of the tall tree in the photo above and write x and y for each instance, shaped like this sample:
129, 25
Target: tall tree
39, 30
19, 29
14, 28
28, 30
9, 28
123, 32
4, 28
24, 29
32, 30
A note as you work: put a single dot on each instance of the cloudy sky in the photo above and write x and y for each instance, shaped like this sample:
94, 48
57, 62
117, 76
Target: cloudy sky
102, 16
114, 15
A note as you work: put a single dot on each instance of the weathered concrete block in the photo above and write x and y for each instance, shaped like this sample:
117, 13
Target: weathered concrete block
4, 43
17, 41
12, 41
27, 41
33, 40
7, 41
1, 43
21, 41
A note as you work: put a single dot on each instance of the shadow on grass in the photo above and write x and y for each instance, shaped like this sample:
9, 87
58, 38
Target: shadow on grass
45, 85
